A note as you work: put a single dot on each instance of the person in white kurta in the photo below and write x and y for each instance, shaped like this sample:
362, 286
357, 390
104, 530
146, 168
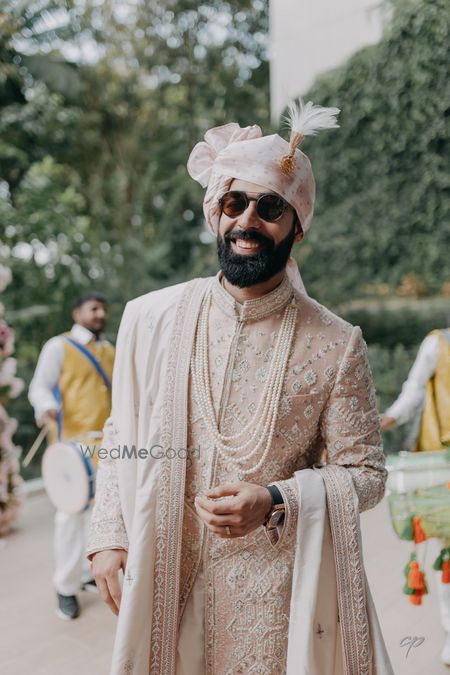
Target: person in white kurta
229, 387
410, 400
71, 569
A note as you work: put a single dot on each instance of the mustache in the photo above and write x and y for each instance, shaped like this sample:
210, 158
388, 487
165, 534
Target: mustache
253, 235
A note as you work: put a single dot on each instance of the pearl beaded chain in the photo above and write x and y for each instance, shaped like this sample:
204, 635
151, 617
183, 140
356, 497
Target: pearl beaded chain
268, 405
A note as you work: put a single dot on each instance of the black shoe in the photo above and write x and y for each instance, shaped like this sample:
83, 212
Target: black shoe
90, 586
68, 607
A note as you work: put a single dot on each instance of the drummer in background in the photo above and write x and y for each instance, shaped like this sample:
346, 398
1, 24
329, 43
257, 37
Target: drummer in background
69, 395
425, 396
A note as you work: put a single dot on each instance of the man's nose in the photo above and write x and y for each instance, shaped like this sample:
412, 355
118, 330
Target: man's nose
249, 218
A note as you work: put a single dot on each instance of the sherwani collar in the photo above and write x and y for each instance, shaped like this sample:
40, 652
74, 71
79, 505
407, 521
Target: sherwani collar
252, 310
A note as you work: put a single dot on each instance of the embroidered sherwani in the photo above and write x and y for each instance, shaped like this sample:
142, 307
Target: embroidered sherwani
327, 416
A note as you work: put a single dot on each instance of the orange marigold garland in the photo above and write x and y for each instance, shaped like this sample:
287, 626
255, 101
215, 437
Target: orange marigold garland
442, 563
415, 586
418, 532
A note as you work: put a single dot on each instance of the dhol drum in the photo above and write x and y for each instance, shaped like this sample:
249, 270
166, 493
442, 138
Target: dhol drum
419, 485
68, 472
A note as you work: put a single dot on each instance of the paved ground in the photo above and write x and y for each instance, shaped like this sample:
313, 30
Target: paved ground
34, 641
385, 557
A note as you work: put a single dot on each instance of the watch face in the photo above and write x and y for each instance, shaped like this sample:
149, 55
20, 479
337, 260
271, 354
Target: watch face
276, 518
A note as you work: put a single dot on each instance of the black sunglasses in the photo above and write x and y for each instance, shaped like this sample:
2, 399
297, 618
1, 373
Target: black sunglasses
269, 206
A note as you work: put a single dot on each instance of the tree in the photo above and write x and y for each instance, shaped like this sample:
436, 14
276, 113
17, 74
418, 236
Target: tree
95, 192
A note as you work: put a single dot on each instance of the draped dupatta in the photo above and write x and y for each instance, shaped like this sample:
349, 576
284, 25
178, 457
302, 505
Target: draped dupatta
333, 626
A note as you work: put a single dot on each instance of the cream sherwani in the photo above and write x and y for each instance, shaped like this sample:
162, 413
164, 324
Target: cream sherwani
294, 602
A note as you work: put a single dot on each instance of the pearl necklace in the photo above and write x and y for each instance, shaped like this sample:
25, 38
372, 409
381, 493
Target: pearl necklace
267, 410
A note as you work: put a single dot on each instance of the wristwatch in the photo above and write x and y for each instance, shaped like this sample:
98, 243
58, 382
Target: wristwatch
278, 510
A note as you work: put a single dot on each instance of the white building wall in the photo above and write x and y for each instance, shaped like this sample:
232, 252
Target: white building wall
308, 37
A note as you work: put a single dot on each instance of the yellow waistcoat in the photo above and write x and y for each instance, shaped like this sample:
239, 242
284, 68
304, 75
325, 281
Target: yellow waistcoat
435, 423
85, 398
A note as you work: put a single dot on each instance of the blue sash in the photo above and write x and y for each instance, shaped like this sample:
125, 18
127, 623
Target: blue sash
97, 365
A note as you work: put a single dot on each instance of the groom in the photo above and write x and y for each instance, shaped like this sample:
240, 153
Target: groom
248, 559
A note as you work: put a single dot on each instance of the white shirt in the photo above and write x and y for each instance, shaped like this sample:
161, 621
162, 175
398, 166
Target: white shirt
48, 369
413, 391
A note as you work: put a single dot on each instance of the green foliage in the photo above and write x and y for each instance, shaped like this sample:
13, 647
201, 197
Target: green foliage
161, 76
383, 203
95, 192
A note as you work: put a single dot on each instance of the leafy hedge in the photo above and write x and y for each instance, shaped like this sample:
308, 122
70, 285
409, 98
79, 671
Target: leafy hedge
395, 323
383, 202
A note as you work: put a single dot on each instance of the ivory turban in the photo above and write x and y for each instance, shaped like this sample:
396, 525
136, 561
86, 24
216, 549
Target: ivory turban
230, 152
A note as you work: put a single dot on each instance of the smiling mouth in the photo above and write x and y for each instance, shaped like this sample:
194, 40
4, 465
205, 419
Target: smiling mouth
246, 245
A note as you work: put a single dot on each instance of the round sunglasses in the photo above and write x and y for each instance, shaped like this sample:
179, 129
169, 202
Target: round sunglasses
269, 206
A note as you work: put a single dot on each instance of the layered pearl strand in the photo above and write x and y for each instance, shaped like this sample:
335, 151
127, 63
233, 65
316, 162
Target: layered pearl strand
266, 413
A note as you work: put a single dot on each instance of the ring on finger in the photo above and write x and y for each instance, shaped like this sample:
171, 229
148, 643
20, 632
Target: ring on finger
228, 531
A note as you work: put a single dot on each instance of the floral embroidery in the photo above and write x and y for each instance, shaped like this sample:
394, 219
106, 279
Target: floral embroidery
268, 356
128, 666
285, 407
360, 371
296, 386
261, 375
354, 403
310, 376
240, 370
150, 320
326, 319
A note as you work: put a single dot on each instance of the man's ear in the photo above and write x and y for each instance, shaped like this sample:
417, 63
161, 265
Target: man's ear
299, 234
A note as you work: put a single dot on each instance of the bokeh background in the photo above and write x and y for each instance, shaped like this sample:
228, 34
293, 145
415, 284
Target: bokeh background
100, 105
101, 102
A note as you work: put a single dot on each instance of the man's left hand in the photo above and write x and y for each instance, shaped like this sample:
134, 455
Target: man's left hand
240, 506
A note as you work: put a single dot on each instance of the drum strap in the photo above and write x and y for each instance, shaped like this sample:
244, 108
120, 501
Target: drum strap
58, 398
97, 365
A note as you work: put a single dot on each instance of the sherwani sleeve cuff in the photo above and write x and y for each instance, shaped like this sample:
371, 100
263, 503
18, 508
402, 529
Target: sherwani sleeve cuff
107, 528
288, 526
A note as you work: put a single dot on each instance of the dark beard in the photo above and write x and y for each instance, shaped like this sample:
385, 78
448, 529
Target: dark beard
248, 270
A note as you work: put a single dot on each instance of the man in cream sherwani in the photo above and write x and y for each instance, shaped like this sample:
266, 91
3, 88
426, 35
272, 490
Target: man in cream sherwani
253, 415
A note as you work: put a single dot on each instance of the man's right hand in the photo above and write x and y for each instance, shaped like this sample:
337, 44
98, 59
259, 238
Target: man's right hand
105, 567
47, 418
